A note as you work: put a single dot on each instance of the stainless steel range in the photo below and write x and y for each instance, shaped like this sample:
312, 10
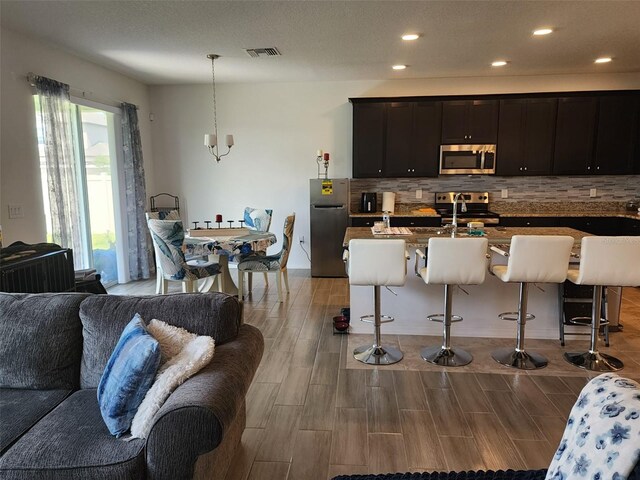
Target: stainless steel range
477, 208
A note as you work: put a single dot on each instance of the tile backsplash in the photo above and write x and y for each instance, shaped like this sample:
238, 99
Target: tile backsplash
609, 188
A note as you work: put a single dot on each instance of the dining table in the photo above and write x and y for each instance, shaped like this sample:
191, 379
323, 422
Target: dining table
224, 248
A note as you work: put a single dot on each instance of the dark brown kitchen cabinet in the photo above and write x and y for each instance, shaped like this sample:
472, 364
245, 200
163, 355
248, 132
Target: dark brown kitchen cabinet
427, 124
526, 134
396, 139
368, 139
399, 153
470, 121
617, 143
575, 135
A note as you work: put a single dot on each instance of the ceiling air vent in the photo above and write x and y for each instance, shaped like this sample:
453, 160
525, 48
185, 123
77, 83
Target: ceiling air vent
262, 52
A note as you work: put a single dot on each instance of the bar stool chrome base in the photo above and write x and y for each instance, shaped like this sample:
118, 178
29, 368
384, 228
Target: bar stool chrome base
519, 359
446, 357
377, 355
594, 361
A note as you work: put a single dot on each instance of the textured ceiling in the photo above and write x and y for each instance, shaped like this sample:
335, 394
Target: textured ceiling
166, 42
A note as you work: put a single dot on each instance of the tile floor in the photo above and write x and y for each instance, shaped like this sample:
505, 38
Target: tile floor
314, 412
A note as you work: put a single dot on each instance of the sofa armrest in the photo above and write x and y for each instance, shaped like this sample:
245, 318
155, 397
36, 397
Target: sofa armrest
196, 415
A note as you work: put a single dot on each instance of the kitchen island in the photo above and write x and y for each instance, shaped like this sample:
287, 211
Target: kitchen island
480, 308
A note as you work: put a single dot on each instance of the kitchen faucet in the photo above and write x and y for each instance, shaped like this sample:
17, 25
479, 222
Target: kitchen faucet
454, 223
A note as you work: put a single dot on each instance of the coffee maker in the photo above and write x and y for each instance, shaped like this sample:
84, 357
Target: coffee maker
368, 202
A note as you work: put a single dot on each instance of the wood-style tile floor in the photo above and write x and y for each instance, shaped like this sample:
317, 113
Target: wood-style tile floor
313, 412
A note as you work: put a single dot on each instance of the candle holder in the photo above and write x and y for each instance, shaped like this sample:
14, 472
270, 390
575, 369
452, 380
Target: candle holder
195, 225
323, 160
230, 223
241, 223
208, 224
218, 219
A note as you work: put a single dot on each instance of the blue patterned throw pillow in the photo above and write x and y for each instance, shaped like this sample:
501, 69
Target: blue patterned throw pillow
128, 376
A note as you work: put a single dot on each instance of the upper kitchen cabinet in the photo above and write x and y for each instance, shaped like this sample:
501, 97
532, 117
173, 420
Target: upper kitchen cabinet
470, 121
575, 135
617, 143
427, 121
405, 136
526, 134
368, 139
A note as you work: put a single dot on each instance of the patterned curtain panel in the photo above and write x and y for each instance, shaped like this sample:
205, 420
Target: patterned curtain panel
140, 261
55, 111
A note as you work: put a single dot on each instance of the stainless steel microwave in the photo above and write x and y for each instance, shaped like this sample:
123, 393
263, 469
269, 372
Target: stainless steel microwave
467, 159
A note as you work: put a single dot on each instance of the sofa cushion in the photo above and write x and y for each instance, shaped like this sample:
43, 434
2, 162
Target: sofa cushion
72, 443
104, 317
20, 409
128, 376
41, 340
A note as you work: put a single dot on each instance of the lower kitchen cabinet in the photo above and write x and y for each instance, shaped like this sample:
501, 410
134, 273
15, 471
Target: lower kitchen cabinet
593, 225
397, 221
529, 222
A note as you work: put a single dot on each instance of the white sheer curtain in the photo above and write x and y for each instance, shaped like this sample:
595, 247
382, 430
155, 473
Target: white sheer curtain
55, 112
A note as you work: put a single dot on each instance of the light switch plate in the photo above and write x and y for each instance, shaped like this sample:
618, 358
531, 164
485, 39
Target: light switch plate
504, 193
15, 210
593, 193
419, 193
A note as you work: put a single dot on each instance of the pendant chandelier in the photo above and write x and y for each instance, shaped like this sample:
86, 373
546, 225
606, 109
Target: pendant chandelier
211, 139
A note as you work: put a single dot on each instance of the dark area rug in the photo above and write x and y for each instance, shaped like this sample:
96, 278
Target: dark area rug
479, 475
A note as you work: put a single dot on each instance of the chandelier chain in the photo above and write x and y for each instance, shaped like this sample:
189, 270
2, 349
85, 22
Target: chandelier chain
215, 113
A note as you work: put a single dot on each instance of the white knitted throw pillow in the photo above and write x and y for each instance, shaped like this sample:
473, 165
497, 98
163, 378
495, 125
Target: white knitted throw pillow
184, 354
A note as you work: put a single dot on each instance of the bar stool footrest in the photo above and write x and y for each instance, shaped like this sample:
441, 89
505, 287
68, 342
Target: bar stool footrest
513, 316
446, 357
594, 361
377, 355
439, 317
521, 360
371, 319
586, 321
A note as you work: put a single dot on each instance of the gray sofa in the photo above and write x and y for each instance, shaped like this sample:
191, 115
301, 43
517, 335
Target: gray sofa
53, 350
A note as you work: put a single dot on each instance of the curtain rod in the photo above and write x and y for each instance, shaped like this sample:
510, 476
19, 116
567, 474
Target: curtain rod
81, 93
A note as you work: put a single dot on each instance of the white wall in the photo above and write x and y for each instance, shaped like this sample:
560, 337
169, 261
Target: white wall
19, 164
279, 126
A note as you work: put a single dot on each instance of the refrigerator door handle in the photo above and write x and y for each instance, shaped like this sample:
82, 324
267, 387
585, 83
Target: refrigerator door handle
329, 207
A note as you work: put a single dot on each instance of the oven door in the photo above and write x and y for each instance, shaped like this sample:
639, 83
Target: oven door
467, 159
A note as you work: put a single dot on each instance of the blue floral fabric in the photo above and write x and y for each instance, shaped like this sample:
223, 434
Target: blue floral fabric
257, 219
602, 437
168, 240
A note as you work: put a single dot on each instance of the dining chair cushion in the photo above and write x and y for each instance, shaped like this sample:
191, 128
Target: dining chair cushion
257, 219
260, 263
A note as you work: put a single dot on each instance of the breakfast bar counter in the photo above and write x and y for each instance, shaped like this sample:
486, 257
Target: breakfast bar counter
480, 307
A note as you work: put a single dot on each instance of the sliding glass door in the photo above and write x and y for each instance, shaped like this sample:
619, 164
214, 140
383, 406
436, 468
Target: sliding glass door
96, 143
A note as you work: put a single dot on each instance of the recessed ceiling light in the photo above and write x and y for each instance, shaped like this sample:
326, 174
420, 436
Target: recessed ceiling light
499, 63
410, 36
603, 60
543, 31
399, 67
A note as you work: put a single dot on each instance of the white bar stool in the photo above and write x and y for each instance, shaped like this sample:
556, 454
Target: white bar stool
613, 261
532, 259
377, 263
451, 262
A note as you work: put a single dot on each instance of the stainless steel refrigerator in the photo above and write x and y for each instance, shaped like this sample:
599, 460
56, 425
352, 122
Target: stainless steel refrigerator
329, 221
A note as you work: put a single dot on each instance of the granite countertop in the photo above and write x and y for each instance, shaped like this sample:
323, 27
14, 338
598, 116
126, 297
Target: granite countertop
421, 235
526, 209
